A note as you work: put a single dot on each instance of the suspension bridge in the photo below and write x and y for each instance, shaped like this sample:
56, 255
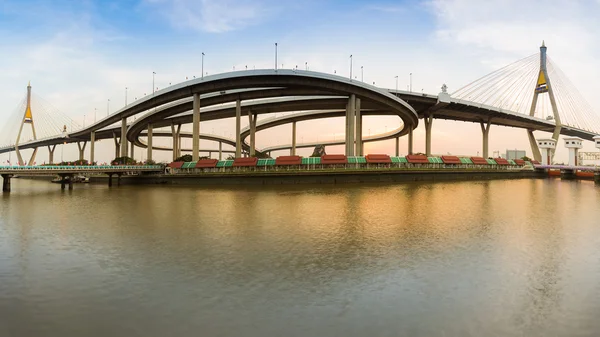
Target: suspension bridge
532, 94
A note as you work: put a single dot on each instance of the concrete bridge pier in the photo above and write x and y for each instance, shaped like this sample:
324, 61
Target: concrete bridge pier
123, 137
410, 139
176, 139
6, 182
397, 146
566, 174
428, 124
252, 118
485, 130
51, 149
149, 142
81, 149
196, 128
220, 150
238, 128
597, 177
131, 149
66, 179
350, 124
293, 150
110, 179
117, 146
359, 128
92, 145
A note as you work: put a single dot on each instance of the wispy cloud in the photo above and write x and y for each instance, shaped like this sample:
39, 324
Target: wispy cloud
213, 16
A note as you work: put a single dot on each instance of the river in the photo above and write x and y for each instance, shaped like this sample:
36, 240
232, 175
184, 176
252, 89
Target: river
491, 258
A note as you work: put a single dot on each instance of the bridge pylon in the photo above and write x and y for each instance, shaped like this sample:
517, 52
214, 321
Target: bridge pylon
543, 86
27, 119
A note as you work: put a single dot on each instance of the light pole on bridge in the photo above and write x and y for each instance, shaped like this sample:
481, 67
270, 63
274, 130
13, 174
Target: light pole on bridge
202, 66
153, 73
396, 77
125, 96
107, 107
410, 90
275, 55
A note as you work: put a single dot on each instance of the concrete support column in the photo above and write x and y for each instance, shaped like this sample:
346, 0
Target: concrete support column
238, 129
149, 142
196, 128
124, 137
358, 118
293, 151
6, 182
110, 179
350, 123
92, 146
428, 125
485, 130
179, 147
117, 146
176, 141
81, 149
397, 146
535, 150
131, 148
51, 149
252, 118
410, 139
220, 150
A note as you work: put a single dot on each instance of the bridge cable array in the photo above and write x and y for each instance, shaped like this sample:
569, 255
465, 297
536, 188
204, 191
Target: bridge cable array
512, 88
48, 120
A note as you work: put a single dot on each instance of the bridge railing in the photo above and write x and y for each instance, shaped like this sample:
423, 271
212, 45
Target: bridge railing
83, 168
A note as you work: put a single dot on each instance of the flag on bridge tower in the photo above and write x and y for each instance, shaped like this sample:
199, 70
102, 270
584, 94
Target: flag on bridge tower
28, 117
541, 86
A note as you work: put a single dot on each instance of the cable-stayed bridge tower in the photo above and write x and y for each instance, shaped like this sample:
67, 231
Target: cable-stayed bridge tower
543, 86
27, 120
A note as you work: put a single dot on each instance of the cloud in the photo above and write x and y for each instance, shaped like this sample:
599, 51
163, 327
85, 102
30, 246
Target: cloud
213, 16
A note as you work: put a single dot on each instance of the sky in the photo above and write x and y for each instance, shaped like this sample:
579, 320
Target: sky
80, 54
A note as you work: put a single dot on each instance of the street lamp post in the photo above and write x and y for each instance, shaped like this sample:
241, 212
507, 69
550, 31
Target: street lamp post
153, 73
305, 65
362, 79
125, 96
410, 82
275, 55
95, 115
350, 67
107, 107
202, 65
396, 77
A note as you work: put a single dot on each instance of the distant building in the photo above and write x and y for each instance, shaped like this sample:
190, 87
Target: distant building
514, 154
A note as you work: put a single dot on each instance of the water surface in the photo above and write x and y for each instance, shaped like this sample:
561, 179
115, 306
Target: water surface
494, 258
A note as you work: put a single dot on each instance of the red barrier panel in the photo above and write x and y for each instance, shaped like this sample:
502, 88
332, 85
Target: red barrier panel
206, 163
334, 159
479, 161
451, 160
176, 164
378, 159
520, 162
245, 162
584, 174
288, 160
554, 173
501, 161
417, 159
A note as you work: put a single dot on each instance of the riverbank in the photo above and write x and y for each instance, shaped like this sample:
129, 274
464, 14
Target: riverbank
321, 177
